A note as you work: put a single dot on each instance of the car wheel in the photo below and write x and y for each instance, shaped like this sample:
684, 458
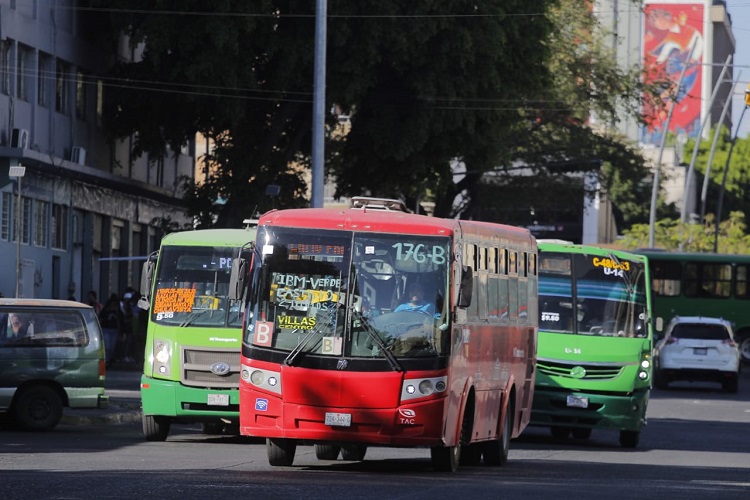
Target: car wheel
155, 428
37, 408
731, 384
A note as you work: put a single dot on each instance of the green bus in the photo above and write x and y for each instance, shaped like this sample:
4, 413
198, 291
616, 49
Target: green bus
595, 342
191, 365
702, 284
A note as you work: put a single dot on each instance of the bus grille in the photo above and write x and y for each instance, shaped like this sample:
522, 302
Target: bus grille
565, 370
197, 363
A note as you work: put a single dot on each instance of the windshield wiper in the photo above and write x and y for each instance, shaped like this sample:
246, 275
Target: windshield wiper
373, 334
192, 317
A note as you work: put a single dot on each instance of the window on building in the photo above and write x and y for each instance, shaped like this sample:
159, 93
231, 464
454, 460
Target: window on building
99, 102
5, 67
44, 79
62, 73
23, 73
5, 224
59, 226
80, 96
25, 220
41, 223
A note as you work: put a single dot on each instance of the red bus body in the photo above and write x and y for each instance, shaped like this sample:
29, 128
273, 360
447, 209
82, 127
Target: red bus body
482, 356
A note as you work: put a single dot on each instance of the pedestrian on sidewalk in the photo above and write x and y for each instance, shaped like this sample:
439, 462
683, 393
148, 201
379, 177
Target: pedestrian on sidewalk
110, 319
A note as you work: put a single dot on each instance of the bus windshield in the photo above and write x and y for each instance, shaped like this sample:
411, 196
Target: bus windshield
353, 294
591, 295
191, 288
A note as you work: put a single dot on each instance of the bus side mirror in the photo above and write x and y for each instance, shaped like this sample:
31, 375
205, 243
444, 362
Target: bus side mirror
237, 279
467, 285
147, 278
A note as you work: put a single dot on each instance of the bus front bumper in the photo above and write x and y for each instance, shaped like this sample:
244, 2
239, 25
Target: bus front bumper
603, 411
171, 399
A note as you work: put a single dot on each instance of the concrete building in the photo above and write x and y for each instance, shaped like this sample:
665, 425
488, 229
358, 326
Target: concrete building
84, 206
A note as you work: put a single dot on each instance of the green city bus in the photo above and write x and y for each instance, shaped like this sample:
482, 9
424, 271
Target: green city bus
702, 284
191, 366
595, 342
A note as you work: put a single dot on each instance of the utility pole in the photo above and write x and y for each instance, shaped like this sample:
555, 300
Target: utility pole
319, 102
18, 172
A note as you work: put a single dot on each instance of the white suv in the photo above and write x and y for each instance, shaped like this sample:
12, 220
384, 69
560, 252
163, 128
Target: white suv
696, 348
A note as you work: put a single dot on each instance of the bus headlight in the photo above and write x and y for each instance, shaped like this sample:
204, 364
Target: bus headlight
642, 375
419, 388
262, 379
645, 364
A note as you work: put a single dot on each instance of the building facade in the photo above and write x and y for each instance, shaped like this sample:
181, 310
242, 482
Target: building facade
85, 209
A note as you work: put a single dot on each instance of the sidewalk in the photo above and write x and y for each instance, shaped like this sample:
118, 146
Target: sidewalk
122, 384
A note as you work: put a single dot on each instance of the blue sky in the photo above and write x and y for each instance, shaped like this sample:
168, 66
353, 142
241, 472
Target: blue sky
740, 12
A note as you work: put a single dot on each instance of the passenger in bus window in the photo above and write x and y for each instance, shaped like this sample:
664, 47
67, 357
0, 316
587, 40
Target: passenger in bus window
417, 303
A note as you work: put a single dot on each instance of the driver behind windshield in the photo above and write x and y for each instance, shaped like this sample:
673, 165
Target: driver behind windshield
416, 302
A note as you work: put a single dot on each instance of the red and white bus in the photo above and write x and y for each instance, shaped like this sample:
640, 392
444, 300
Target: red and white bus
339, 351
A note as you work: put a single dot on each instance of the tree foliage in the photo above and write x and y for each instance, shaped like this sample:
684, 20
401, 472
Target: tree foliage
425, 84
671, 234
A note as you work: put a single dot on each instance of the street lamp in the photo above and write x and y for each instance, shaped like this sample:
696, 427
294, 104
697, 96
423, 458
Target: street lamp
18, 172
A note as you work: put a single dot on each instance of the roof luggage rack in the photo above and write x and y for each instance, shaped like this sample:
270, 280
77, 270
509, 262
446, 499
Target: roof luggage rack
365, 202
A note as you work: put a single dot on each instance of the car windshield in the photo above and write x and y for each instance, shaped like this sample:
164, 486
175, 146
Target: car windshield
191, 288
591, 295
699, 331
343, 293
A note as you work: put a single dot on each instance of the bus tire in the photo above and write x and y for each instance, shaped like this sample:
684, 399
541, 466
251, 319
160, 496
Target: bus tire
213, 428
280, 451
353, 452
471, 455
629, 439
155, 428
327, 451
559, 432
446, 458
581, 432
37, 408
496, 451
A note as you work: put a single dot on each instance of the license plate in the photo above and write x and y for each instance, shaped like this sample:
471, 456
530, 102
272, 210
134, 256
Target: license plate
338, 419
700, 351
218, 399
578, 402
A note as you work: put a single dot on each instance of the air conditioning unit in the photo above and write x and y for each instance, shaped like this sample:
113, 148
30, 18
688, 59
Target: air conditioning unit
78, 155
19, 138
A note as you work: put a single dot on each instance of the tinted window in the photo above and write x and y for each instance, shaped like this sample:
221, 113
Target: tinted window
700, 331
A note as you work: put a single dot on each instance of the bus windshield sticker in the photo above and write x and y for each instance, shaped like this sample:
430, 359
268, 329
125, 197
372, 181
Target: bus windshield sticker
263, 333
421, 253
176, 300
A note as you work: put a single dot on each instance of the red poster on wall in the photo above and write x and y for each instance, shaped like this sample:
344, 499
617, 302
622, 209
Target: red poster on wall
671, 31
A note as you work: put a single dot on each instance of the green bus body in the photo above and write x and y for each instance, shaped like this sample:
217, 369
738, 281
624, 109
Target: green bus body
192, 359
595, 342
703, 284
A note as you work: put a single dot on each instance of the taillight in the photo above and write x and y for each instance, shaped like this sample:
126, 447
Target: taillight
728, 342
671, 340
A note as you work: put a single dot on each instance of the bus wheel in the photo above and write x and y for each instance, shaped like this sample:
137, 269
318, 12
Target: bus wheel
471, 454
496, 451
213, 428
581, 433
446, 458
280, 451
629, 439
38, 408
327, 451
559, 433
353, 452
155, 428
